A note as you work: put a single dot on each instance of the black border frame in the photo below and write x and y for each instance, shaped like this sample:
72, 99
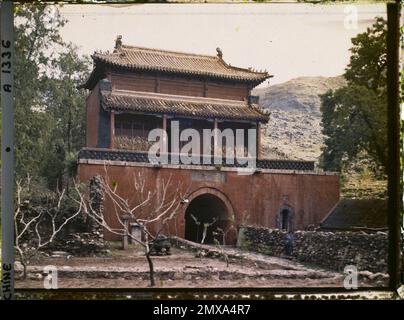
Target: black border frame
395, 254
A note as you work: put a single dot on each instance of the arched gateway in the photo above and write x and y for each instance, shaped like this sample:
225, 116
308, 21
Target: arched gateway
207, 213
125, 105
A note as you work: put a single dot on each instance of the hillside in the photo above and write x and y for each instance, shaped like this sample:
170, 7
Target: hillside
294, 130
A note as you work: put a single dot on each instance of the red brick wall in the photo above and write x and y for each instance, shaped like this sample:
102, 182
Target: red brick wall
310, 196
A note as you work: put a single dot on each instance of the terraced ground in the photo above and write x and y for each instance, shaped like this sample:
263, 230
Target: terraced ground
189, 268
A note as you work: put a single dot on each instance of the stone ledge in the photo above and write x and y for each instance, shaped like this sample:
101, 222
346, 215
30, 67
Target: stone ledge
199, 167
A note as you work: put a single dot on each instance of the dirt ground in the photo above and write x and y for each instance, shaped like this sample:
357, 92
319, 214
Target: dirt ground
129, 269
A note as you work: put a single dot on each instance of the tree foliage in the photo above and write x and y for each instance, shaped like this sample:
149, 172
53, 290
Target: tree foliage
354, 117
49, 110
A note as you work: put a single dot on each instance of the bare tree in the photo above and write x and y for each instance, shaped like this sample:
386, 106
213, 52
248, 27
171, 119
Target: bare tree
151, 206
205, 227
223, 233
38, 224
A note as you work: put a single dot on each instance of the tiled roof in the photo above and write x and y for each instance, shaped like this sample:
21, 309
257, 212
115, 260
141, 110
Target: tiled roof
144, 59
133, 156
357, 214
147, 102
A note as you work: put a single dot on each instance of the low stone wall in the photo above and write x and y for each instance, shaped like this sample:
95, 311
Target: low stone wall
332, 250
83, 236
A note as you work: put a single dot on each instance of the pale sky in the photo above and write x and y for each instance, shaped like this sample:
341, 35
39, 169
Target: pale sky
288, 40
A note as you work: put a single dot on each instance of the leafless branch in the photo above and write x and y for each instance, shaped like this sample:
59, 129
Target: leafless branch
146, 206
36, 226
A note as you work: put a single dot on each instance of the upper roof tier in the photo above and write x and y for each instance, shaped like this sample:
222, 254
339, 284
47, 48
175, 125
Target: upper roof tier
171, 62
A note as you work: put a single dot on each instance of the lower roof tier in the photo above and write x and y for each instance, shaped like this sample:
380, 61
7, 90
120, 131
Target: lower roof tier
174, 105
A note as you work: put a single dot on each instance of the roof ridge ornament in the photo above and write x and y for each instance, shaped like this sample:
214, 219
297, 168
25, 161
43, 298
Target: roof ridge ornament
219, 53
118, 42
170, 62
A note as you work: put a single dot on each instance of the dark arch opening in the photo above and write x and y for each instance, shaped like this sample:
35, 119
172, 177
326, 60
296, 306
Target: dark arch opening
208, 210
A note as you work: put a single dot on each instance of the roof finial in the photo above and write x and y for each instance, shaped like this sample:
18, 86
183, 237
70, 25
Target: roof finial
219, 52
118, 42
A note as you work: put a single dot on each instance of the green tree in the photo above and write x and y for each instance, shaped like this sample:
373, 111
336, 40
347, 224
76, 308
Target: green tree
354, 117
368, 62
66, 104
36, 37
49, 110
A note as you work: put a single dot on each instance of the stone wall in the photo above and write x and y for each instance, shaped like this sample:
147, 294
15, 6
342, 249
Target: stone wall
332, 250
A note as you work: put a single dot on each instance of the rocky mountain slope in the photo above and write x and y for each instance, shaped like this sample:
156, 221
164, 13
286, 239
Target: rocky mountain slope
294, 129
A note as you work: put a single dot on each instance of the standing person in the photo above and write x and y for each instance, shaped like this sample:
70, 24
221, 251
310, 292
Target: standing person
289, 243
